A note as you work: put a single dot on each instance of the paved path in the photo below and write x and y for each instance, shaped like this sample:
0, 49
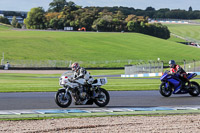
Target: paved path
45, 100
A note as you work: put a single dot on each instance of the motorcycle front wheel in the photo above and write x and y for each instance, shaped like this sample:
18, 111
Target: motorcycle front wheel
102, 98
62, 99
194, 89
166, 92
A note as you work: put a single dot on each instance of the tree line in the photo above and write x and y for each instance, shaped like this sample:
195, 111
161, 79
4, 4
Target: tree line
151, 12
110, 19
67, 14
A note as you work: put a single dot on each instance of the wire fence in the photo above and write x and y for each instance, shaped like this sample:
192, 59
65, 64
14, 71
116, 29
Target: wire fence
159, 66
191, 66
40, 63
65, 63
150, 67
138, 67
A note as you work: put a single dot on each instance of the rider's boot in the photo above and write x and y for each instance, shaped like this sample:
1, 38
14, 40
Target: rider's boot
93, 94
78, 102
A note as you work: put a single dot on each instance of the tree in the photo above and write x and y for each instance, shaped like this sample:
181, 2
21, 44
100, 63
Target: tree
131, 25
4, 20
190, 9
14, 21
103, 24
150, 9
18, 25
131, 18
57, 5
35, 19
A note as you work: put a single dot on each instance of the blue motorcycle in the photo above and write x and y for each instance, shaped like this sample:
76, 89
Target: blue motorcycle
171, 83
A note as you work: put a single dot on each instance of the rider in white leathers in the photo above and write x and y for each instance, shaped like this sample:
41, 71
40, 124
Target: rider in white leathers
81, 73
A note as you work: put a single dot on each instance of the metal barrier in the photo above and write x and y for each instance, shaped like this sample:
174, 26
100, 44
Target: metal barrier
141, 67
191, 66
66, 63
150, 67
158, 66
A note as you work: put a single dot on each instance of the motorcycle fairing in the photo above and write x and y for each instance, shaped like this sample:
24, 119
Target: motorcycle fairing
191, 75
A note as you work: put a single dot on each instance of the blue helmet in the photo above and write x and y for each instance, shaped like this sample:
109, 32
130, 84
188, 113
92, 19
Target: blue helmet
172, 63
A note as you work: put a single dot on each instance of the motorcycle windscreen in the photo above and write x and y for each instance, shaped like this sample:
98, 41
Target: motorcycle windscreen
164, 76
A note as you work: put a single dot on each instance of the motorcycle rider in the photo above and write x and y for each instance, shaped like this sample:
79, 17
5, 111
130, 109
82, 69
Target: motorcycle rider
177, 69
80, 72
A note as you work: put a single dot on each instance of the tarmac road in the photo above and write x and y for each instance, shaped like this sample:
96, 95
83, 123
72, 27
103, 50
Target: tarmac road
45, 100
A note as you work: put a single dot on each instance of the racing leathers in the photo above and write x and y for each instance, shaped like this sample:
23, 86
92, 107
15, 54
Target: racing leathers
81, 73
182, 74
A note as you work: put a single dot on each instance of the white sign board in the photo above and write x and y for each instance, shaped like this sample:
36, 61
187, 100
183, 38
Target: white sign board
68, 28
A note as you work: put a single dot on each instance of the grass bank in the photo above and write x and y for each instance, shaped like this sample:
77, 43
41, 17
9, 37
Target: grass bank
90, 46
184, 30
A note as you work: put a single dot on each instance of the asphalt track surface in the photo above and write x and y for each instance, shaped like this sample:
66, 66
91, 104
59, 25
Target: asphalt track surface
45, 100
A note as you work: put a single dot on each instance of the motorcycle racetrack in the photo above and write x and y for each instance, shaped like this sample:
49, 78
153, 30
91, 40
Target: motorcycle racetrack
45, 100
22, 104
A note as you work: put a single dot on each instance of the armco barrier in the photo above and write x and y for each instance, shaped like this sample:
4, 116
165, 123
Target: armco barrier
142, 75
149, 75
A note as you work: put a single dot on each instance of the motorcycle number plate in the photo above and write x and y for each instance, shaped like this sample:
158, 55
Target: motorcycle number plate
102, 81
60, 81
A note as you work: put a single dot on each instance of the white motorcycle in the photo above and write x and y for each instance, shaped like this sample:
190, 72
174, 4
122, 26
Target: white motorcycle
84, 92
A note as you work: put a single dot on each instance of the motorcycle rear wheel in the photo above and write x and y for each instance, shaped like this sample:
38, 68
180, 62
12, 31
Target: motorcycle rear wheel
166, 92
61, 100
194, 89
103, 98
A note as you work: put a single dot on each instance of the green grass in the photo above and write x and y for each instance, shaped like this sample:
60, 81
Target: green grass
175, 39
99, 114
90, 46
106, 72
48, 83
184, 30
44, 83
4, 27
27, 83
196, 20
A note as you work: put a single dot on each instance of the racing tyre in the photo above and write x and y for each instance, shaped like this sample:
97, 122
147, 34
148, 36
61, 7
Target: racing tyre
194, 89
166, 92
62, 99
102, 98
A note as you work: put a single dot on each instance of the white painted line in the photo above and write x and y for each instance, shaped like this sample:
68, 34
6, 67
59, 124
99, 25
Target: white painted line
20, 112
6, 113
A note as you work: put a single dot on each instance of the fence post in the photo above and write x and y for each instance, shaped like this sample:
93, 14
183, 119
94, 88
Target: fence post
184, 63
194, 65
149, 66
154, 67
162, 66
158, 66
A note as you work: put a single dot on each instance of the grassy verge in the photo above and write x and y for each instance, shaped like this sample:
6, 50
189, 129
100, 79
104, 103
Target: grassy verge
49, 82
46, 83
103, 114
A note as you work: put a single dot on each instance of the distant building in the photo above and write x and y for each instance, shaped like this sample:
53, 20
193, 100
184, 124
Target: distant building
19, 19
20, 15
